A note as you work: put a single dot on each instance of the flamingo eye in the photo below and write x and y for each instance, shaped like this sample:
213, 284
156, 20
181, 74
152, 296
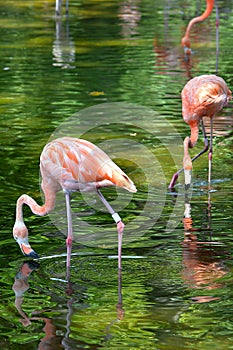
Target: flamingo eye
126, 177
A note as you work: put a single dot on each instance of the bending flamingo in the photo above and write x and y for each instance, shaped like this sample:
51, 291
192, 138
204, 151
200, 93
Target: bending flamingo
202, 96
186, 40
71, 164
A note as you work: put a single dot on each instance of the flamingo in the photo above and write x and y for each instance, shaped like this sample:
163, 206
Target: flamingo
71, 164
204, 95
186, 40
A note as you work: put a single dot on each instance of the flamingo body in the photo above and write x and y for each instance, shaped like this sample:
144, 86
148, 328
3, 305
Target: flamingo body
78, 165
70, 164
203, 96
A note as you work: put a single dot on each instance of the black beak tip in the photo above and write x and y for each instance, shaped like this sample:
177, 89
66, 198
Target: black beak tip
33, 255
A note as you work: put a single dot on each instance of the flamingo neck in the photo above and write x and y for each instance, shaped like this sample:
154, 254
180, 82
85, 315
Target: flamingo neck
187, 163
206, 14
194, 134
35, 208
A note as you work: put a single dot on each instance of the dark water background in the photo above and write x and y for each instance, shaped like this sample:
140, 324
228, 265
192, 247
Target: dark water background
173, 293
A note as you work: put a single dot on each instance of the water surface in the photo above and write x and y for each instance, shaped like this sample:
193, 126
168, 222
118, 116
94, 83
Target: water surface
112, 72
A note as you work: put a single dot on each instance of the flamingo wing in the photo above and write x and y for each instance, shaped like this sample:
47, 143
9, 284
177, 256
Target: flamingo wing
79, 164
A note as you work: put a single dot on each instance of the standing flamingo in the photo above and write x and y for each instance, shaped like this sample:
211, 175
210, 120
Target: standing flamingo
186, 40
71, 164
202, 96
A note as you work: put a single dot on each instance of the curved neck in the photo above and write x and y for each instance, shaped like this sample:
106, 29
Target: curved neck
35, 208
207, 13
194, 134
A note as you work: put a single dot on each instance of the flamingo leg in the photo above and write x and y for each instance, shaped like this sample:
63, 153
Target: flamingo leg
217, 36
210, 151
206, 143
67, 7
120, 224
205, 149
69, 239
58, 7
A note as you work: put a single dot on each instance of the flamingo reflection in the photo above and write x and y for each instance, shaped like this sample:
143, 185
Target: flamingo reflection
63, 46
50, 340
186, 38
202, 261
130, 16
21, 285
58, 6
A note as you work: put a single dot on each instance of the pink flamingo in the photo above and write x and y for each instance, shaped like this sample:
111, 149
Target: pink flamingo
71, 164
202, 96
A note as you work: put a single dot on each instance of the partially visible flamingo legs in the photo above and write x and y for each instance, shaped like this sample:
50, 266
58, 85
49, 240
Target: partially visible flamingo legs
202, 96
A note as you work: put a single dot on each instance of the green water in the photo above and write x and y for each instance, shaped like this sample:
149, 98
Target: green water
112, 73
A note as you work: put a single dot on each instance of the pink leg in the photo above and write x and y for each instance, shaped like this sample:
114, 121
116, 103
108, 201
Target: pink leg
210, 151
120, 230
119, 306
118, 221
69, 239
67, 7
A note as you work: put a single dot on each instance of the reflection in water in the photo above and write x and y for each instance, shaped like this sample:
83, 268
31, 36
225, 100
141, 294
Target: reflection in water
59, 5
202, 264
51, 340
20, 286
186, 43
186, 38
222, 125
67, 342
130, 16
167, 56
120, 310
119, 307
63, 46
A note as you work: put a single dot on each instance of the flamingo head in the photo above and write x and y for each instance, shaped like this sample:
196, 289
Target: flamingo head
186, 44
20, 234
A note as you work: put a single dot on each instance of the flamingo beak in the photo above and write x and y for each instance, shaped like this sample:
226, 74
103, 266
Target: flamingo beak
26, 248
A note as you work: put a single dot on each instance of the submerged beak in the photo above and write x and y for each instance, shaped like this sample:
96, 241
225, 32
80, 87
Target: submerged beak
26, 248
